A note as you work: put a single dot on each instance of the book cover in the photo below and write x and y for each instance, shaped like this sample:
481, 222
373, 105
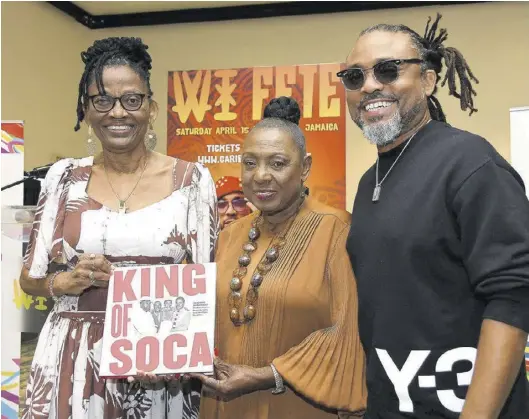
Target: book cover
159, 319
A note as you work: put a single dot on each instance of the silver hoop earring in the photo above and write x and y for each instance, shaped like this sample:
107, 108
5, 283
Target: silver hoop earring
150, 139
90, 143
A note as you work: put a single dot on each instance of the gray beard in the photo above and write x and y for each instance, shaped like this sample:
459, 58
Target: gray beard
383, 133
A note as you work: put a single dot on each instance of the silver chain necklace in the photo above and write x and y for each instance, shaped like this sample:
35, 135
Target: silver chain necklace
378, 185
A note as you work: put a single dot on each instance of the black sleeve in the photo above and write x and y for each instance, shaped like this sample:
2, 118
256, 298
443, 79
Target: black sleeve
492, 212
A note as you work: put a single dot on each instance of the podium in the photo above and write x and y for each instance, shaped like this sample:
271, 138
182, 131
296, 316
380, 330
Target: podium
17, 221
23, 315
31, 311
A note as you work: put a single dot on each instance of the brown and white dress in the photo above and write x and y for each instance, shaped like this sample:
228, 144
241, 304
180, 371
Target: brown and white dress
183, 227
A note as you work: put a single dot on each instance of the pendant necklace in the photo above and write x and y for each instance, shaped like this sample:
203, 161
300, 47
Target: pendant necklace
122, 209
378, 185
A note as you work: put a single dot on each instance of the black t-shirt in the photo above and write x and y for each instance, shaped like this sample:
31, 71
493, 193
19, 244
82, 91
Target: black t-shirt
446, 246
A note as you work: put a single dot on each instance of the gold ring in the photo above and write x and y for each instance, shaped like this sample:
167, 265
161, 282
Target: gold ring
92, 256
92, 278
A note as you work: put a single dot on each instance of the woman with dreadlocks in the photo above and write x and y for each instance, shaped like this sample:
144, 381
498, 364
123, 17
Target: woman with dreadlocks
439, 239
125, 205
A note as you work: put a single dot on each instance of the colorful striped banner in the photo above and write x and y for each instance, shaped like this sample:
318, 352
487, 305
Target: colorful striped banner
12, 137
10, 395
527, 358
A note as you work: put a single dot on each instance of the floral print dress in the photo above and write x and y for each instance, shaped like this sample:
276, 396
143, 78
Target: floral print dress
64, 380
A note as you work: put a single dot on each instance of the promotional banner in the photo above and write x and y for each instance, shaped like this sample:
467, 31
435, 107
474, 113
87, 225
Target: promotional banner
12, 167
22, 315
519, 121
211, 111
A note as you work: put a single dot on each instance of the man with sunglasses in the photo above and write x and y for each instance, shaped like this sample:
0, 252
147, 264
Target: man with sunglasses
231, 202
439, 240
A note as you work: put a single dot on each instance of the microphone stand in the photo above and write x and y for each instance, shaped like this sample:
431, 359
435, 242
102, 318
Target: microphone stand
20, 181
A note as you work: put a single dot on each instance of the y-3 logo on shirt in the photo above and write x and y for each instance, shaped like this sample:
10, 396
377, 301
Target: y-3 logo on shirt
402, 378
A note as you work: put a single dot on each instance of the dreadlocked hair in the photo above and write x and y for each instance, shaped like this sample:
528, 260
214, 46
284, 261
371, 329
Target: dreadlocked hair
432, 51
111, 52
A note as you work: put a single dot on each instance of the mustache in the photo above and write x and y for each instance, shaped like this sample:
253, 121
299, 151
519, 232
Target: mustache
375, 96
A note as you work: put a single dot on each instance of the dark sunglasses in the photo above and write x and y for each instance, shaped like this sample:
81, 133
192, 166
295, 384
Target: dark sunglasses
238, 204
385, 72
129, 102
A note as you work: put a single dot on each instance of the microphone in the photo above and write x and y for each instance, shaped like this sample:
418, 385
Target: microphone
39, 171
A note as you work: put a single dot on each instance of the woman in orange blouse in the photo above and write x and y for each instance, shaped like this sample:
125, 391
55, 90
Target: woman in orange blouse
286, 330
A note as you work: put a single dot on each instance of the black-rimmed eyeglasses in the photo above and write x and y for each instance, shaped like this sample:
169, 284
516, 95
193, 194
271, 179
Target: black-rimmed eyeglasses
385, 72
129, 102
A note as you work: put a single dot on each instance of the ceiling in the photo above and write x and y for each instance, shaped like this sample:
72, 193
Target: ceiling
114, 14
126, 7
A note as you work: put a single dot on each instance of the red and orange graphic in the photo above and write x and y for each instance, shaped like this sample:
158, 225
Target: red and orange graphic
211, 111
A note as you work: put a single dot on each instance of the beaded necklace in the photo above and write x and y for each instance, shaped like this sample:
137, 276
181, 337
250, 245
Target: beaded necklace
264, 266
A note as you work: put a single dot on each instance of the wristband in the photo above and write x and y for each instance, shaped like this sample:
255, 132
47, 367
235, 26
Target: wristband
50, 286
280, 388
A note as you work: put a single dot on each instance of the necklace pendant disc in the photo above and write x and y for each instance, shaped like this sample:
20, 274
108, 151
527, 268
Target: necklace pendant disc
376, 193
122, 207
